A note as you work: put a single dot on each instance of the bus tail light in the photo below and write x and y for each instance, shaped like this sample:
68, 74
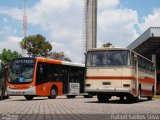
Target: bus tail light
88, 85
126, 85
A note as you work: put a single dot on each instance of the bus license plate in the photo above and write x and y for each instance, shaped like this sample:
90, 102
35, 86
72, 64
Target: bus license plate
18, 93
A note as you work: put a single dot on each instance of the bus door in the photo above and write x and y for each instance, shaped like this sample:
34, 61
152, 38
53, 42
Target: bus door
41, 79
74, 85
65, 79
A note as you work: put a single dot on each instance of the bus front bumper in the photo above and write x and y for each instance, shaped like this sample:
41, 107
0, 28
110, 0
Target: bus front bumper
28, 91
108, 90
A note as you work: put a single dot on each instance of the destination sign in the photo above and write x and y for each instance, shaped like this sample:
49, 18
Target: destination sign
28, 61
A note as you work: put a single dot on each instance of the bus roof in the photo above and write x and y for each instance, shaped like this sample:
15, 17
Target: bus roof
117, 48
48, 60
73, 64
41, 59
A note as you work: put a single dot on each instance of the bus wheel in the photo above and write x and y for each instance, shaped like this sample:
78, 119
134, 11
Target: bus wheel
150, 97
70, 96
29, 97
102, 99
53, 93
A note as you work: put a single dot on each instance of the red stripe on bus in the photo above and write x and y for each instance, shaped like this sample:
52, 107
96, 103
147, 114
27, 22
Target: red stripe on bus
146, 79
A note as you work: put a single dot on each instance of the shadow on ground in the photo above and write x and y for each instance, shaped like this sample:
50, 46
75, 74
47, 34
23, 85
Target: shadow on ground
117, 101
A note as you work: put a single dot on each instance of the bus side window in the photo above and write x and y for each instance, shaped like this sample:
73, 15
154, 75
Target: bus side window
133, 61
53, 72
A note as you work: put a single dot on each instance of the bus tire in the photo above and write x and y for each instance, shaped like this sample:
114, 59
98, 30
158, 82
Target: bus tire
150, 97
102, 98
29, 97
53, 93
6, 97
70, 96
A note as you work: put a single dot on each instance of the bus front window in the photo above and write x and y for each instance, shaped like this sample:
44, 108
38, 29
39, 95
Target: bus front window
21, 73
108, 58
117, 58
96, 59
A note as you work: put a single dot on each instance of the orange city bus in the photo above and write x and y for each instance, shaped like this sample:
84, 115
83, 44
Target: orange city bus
119, 72
31, 77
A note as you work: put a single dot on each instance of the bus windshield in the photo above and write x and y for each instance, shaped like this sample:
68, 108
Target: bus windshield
108, 58
21, 71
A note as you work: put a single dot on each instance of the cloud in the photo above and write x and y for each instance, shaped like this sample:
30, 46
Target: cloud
117, 26
6, 31
12, 42
107, 4
14, 13
62, 21
152, 20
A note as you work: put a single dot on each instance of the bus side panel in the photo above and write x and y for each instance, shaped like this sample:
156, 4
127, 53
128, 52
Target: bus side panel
146, 82
129, 79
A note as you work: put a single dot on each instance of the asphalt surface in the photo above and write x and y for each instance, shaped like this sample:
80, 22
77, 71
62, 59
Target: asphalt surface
42, 108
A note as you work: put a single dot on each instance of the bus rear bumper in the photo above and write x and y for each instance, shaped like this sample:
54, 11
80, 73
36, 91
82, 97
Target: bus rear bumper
28, 91
108, 90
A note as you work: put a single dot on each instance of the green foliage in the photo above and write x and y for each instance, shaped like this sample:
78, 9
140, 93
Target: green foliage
60, 56
8, 55
36, 45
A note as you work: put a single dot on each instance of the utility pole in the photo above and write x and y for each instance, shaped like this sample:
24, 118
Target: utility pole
25, 26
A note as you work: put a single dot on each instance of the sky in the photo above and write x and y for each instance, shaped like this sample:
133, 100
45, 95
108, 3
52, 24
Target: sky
62, 22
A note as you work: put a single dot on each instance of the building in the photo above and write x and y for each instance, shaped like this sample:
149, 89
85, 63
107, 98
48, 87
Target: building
91, 24
148, 45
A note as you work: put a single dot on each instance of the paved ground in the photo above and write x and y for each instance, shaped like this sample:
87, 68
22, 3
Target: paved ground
70, 109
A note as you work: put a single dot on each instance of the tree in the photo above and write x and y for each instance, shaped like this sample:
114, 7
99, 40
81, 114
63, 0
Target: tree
107, 44
36, 45
8, 55
60, 56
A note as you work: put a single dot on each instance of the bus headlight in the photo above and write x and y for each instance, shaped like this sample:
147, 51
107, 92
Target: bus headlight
30, 86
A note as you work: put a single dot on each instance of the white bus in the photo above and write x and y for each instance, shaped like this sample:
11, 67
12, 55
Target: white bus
119, 72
